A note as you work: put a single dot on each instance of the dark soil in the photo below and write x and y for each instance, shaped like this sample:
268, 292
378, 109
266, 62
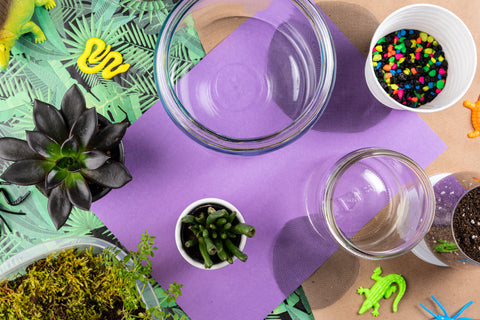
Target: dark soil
466, 224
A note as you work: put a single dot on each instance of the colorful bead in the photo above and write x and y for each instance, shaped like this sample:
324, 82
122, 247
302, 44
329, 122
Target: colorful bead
411, 68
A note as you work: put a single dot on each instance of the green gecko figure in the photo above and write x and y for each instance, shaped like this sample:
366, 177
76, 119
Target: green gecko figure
446, 246
384, 287
16, 21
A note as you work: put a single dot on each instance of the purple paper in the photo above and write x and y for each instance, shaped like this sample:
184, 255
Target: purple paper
170, 171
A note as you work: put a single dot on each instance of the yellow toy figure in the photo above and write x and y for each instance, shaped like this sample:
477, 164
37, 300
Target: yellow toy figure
15, 20
92, 56
475, 107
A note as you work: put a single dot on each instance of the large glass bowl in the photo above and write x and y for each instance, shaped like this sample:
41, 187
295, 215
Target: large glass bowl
263, 77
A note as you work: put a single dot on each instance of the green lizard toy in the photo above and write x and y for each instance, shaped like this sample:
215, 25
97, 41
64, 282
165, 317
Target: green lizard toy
384, 287
16, 21
446, 246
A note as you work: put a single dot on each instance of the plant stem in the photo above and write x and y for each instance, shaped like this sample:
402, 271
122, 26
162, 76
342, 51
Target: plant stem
203, 250
235, 251
245, 229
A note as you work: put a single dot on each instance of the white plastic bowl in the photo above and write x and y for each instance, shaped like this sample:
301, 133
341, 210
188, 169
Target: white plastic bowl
457, 43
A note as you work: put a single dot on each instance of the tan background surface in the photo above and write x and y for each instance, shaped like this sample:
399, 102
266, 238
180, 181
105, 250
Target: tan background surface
331, 291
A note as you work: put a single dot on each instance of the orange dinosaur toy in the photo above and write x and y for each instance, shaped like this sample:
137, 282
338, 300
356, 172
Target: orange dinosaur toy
475, 107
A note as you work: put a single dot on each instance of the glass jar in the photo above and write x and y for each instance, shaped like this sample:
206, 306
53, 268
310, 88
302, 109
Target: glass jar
375, 203
452, 239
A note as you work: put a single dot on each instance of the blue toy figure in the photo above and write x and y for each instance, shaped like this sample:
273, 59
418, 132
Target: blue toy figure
446, 317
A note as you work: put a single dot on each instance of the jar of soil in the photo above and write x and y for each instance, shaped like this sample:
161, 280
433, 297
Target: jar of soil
454, 238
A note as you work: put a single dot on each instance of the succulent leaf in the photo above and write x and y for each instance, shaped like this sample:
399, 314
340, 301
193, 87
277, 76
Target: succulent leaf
112, 175
78, 191
109, 136
25, 172
14, 149
59, 206
49, 120
73, 105
43, 144
70, 147
55, 177
94, 159
65, 151
85, 127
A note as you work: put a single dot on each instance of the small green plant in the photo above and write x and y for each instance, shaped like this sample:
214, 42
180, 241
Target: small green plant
66, 153
78, 284
213, 232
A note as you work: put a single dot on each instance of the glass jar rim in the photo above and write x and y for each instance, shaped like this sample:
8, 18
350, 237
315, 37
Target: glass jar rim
340, 167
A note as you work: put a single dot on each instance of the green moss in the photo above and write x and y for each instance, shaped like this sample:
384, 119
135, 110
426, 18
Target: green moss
78, 284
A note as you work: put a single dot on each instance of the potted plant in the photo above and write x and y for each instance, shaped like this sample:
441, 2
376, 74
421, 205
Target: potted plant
211, 233
81, 278
69, 155
454, 238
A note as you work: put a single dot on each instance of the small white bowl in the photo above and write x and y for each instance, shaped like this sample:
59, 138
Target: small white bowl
191, 208
457, 43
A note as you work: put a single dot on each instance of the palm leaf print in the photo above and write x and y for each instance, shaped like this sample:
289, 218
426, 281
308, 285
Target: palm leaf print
150, 15
144, 88
137, 46
81, 223
114, 102
83, 29
68, 10
180, 60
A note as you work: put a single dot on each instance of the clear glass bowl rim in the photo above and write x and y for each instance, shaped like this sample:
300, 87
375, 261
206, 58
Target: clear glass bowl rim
254, 146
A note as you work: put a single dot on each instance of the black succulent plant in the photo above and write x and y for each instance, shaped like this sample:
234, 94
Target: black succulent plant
66, 152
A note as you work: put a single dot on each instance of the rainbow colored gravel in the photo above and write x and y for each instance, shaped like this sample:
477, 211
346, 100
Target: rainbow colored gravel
410, 66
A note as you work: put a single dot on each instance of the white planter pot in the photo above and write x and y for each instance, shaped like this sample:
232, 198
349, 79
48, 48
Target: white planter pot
191, 208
